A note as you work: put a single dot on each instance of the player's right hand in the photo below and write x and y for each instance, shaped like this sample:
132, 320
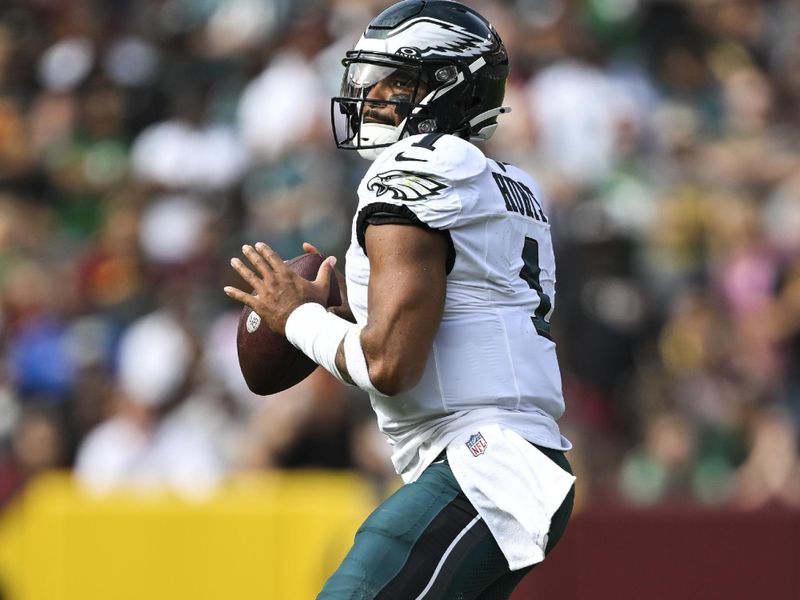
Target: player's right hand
343, 310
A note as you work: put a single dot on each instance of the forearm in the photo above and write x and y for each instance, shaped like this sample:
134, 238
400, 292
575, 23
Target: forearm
332, 343
341, 364
406, 295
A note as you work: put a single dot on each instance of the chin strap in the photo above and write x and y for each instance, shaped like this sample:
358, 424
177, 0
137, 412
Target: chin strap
377, 134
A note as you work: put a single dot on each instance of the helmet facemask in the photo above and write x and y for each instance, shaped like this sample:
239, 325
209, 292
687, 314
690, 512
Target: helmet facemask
382, 100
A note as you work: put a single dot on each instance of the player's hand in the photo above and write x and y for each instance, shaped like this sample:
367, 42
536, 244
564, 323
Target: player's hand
343, 310
278, 289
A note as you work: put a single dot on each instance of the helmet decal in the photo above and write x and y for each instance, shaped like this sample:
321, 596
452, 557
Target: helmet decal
410, 52
438, 38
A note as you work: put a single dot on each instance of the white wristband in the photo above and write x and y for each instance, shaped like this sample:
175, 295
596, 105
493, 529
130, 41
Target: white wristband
317, 333
357, 362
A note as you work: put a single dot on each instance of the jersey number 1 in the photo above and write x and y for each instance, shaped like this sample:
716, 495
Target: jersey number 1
530, 274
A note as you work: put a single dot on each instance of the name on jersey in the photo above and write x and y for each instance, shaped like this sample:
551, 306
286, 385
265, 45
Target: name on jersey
519, 198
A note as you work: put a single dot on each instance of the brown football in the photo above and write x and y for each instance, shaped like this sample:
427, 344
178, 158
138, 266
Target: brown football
269, 363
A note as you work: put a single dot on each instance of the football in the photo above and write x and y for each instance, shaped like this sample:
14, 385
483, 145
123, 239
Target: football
268, 361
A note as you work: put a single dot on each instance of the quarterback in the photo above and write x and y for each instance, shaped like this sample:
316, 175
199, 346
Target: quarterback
450, 281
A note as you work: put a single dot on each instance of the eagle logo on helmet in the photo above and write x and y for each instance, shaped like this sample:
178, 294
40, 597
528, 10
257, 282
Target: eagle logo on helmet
439, 38
405, 185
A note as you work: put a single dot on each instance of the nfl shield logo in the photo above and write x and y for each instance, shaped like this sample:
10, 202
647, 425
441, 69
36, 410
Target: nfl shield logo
476, 444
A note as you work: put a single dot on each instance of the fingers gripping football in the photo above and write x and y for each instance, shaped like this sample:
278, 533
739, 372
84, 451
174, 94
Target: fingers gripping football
341, 309
277, 289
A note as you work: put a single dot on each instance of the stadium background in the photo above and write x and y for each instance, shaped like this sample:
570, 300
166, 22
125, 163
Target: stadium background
143, 141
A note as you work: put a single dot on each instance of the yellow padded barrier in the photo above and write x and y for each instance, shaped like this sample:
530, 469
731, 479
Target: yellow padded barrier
273, 537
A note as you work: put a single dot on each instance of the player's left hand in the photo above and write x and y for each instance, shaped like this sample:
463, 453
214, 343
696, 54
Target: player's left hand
278, 290
342, 310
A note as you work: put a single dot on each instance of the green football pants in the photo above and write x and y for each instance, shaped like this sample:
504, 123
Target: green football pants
427, 542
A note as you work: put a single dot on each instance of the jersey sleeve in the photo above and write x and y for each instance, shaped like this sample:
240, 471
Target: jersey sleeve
423, 180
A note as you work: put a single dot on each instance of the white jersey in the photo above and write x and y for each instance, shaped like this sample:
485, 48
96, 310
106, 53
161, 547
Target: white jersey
492, 360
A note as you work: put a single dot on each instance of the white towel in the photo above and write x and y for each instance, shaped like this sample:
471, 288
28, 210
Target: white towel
515, 488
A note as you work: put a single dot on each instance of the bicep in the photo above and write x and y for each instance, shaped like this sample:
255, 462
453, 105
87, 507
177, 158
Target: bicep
408, 280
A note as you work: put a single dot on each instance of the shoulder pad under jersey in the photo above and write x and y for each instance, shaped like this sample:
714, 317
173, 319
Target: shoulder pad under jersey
429, 174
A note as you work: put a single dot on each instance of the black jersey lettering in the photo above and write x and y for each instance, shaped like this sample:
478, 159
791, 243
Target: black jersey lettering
519, 198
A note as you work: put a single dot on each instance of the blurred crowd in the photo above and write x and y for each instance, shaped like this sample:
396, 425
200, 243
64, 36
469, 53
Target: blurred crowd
143, 141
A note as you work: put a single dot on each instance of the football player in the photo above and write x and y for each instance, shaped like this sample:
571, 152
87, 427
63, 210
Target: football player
450, 287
